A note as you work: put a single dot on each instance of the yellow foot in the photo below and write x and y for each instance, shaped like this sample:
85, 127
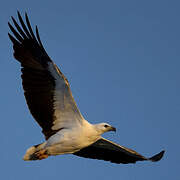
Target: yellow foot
42, 154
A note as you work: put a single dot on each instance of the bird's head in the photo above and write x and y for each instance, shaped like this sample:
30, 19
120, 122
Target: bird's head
104, 127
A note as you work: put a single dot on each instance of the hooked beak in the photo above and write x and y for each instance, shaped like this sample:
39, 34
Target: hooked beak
112, 129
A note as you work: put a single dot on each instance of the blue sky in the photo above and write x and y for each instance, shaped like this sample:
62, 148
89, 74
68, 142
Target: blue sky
122, 59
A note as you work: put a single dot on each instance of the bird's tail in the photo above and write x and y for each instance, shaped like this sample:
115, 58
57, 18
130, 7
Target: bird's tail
35, 152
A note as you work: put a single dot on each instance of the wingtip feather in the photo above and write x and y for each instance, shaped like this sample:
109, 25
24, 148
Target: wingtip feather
18, 12
157, 157
12, 39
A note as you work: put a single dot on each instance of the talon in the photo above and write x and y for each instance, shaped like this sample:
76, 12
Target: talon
42, 154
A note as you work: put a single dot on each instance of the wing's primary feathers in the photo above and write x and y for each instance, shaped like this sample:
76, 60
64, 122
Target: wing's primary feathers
46, 89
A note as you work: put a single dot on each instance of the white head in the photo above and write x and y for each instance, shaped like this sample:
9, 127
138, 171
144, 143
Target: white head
104, 127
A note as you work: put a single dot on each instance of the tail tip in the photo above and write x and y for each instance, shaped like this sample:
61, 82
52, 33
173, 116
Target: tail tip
29, 152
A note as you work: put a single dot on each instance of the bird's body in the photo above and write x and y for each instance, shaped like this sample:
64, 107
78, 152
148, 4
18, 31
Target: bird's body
69, 140
49, 98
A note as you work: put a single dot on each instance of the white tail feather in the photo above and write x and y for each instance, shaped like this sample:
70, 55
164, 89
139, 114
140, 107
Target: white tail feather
29, 153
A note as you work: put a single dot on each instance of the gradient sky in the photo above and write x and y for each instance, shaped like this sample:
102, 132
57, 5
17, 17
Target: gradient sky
122, 59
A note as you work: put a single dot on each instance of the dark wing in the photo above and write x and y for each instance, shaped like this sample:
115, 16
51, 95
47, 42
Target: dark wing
108, 151
46, 89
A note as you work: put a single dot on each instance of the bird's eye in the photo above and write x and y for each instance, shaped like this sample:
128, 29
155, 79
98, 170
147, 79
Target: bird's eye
105, 126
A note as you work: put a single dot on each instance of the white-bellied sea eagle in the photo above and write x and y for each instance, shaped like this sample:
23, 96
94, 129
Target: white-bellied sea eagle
51, 103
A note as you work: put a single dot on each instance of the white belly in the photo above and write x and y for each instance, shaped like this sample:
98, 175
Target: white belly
69, 141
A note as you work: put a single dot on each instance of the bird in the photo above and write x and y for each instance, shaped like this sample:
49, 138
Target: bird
50, 101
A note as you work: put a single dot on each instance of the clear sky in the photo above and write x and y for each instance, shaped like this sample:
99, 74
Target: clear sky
122, 59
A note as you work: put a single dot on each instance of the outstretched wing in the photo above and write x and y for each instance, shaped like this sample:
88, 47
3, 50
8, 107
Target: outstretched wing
46, 89
108, 151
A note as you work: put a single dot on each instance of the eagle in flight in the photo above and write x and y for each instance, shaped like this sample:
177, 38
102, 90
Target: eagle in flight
50, 101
